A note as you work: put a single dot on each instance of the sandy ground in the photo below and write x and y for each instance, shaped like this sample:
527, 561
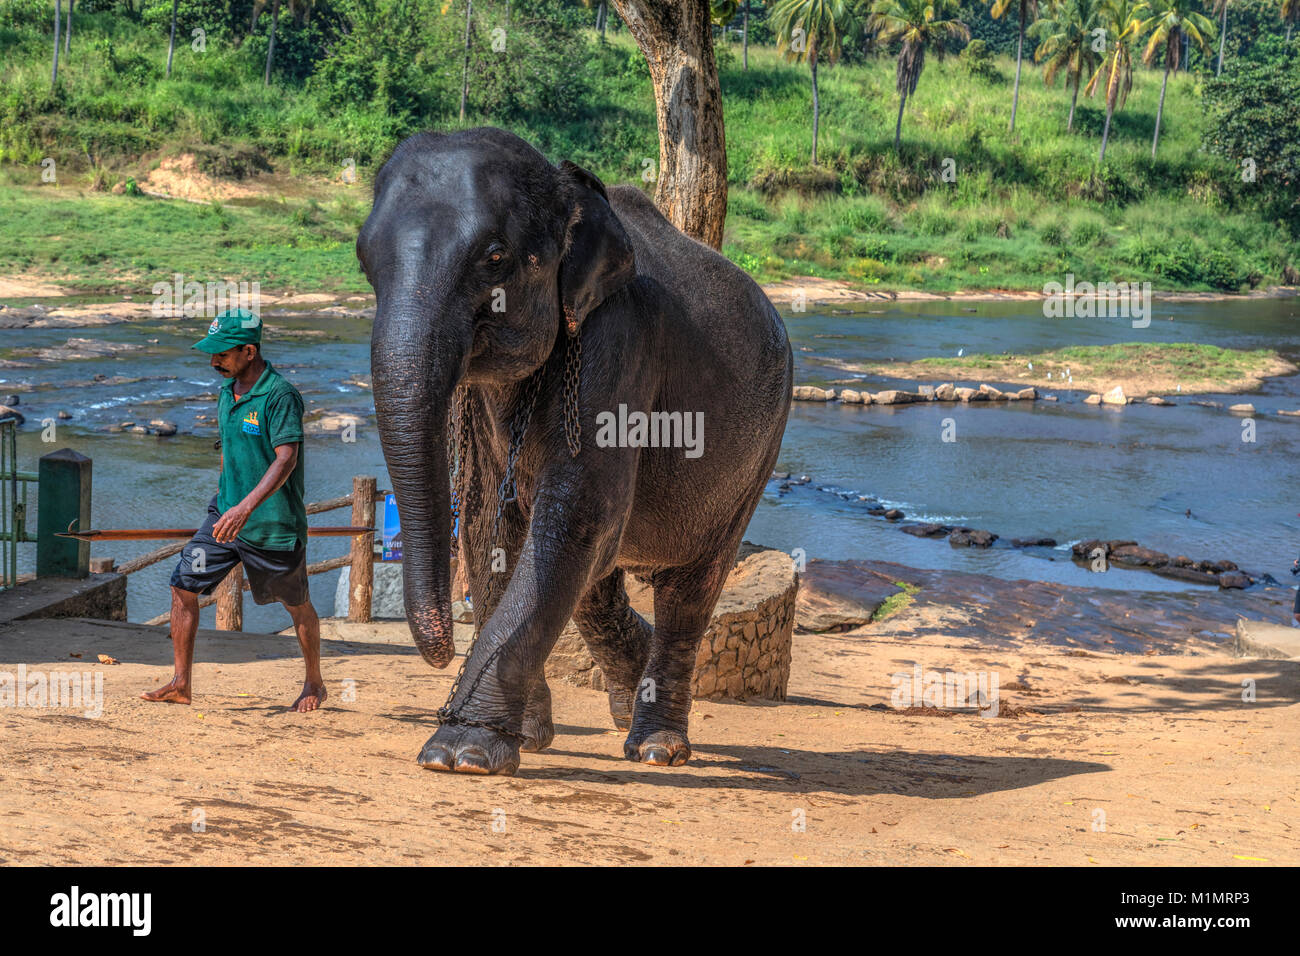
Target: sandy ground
1118, 759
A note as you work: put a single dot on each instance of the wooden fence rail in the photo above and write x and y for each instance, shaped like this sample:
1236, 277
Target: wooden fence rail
229, 595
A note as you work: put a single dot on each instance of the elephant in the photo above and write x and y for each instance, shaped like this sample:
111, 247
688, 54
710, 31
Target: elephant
525, 315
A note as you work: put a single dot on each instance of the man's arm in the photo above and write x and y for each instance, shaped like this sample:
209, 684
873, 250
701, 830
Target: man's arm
232, 522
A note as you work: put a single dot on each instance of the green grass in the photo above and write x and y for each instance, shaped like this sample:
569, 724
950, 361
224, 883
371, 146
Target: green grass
1185, 360
1023, 210
896, 602
95, 241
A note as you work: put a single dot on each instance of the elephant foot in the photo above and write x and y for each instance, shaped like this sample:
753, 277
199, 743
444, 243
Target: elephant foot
620, 708
461, 749
663, 748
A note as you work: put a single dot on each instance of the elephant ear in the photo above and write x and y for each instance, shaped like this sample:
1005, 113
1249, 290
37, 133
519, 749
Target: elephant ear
597, 259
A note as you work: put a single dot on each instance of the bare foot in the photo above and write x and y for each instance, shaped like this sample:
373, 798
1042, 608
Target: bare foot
171, 692
312, 696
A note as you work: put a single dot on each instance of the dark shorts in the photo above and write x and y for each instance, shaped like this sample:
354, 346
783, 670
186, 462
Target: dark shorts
272, 575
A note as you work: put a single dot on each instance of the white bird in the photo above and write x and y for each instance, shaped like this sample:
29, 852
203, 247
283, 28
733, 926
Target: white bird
1049, 374
960, 351
1031, 366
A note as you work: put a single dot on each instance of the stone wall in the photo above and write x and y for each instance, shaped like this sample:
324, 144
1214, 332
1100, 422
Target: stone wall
744, 653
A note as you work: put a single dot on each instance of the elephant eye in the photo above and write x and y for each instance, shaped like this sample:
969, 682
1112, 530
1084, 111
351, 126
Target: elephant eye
495, 254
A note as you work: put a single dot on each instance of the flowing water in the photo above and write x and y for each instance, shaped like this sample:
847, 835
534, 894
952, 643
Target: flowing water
1061, 469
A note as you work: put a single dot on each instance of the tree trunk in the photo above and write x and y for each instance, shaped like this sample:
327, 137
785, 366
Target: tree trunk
602, 15
1223, 35
745, 38
1020, 47
1289, 27
812, 63
675, 37
1105, 134
1069, 124
270, 47
67, 30
1161, 108
898, 127
171, 42
464, 76
58, 15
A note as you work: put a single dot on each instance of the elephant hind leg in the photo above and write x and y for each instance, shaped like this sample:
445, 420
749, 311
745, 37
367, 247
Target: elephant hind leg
538, 729
619, 640
684, 602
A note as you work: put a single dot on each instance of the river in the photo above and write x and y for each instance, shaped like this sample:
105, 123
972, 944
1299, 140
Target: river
1060, 469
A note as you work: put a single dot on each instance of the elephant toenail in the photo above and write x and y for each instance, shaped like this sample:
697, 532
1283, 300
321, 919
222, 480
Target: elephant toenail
656, 756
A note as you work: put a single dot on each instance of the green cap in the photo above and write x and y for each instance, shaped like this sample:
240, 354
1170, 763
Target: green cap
229, 329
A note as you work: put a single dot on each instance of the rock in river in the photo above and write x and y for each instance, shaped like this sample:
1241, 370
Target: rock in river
811, 393
971, 538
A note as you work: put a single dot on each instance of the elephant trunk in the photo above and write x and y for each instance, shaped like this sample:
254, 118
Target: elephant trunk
415, 370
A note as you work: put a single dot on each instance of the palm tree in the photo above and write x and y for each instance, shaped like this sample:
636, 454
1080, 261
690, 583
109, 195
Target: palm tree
300, 10
915, 23
602, 13
1066, 35
1290, 16
171, 40
1221, 8
1172, 20
464, 77
745, 37
722, 12
54, 73
810, 28
1122, 21
270, 47
1028, 10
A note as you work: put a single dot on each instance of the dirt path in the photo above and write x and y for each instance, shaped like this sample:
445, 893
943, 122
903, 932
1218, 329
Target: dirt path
1161, 749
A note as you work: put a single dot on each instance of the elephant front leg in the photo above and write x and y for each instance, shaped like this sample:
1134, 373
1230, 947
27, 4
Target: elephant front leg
501, 704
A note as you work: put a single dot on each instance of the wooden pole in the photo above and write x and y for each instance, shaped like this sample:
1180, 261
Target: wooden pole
361, 581
230, 601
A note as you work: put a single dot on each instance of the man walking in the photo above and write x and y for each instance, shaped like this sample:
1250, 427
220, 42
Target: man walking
258, 516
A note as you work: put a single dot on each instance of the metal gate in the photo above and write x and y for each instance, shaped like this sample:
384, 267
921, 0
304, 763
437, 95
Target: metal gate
13, 503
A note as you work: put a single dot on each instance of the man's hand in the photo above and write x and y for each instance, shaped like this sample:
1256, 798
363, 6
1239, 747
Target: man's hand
231, 523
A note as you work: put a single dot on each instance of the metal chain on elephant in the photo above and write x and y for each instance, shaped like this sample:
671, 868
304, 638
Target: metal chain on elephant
458, 450
572, 379
507, 492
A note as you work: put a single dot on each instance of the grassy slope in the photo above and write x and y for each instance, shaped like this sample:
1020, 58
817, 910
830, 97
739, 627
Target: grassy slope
1013, 219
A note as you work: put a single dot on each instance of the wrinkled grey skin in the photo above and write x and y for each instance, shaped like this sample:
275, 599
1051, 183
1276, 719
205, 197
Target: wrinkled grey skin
666, 324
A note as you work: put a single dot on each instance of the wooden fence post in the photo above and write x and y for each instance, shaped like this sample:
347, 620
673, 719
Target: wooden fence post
361, 579
230, 601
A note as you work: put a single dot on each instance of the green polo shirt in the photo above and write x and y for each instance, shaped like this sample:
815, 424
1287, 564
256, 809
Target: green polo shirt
267, 415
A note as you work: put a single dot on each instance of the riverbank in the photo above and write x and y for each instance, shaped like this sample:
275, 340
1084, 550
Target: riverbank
21, 295
1145, 758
